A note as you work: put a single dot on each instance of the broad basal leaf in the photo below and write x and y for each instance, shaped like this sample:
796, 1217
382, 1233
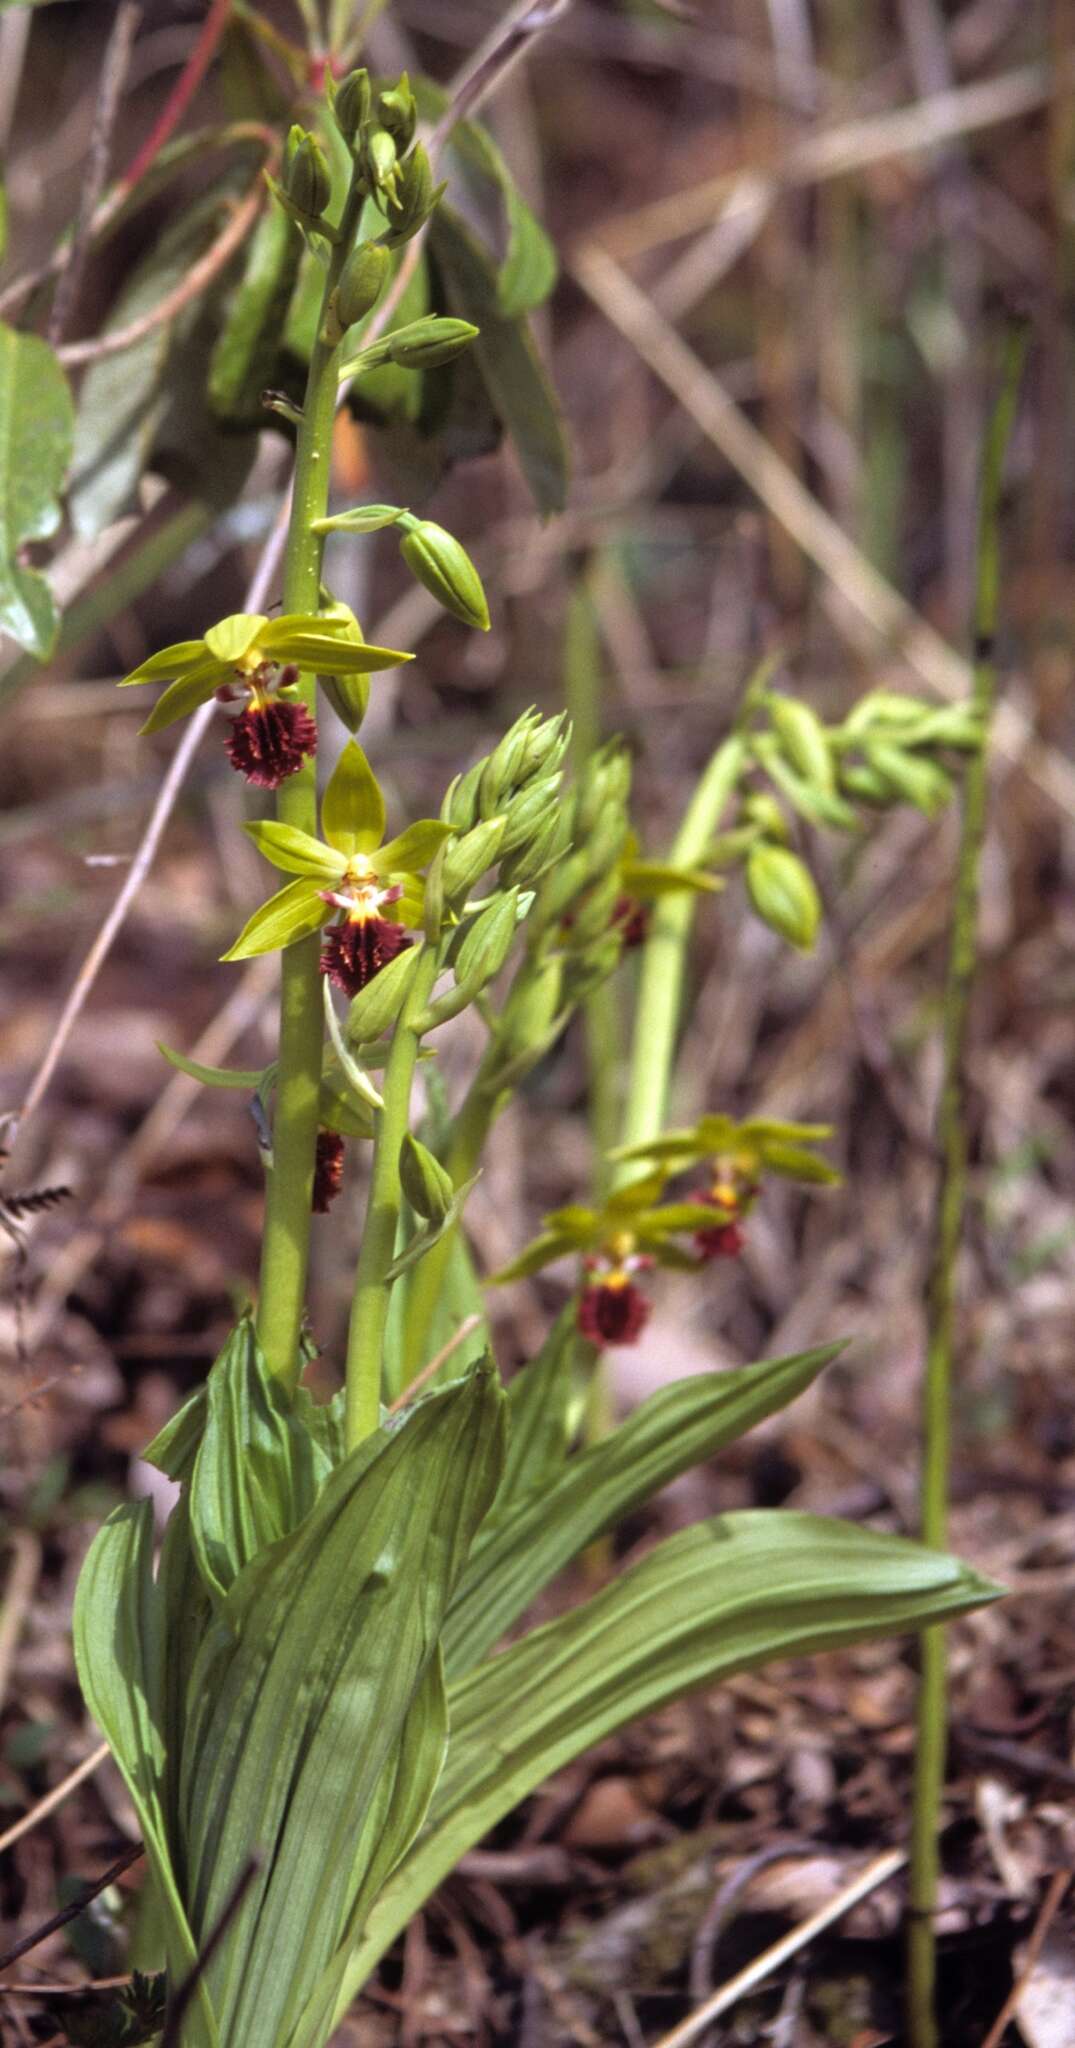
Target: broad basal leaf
521, 1550
301, 1692
725, 1596
36, 428
120, 1654
257, 1471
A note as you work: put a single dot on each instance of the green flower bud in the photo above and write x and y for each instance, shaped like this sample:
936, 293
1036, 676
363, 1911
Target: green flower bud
362, 281
426, 1183
804, 742
867, 785
531, 1009
446, 570
307, 182
533, 859
919, 782
593, 916
546, 744
529, 810
349, 697
433, 895
426, 344
605, 783
460, 805
380, 164
398, 112
487, 943
782, 891
376, 1007
586, 971
352, 104
762, 811
602, 846
410, 198
467, 858
558, 893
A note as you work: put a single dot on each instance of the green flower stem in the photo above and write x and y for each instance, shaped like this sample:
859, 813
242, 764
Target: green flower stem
664, 956
470, 1129
369, 1309
285, 1247
931, 1717
601, 1008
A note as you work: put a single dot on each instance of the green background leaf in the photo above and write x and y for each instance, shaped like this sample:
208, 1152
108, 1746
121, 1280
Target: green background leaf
36, 429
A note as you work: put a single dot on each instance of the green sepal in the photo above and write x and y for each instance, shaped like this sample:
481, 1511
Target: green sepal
414, 847
183, 697
352, 808
233, 637
177, 660
360, 519
293, 913
295, 851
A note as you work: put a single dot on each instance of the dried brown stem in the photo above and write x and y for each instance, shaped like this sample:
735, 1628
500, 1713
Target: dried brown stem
114, 71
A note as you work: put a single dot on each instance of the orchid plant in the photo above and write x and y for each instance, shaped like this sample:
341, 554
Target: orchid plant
306, 1690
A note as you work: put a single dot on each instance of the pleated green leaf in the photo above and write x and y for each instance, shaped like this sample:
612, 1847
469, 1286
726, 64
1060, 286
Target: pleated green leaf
119, 1641
258, 1471
300, 1694
521, 1551
725, 1596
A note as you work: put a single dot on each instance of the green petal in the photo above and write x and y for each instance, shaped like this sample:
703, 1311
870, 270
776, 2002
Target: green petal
414, 848
184, 696
316, 644
352, 808
296, 852
233, 637
171, 661
293, 913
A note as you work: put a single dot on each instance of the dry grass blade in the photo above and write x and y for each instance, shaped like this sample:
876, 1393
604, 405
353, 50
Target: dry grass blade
1050, 1906
876, 1873
55, 1798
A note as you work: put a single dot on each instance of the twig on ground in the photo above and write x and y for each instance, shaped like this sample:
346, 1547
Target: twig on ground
177, 2006
71, 1912
1058, 1885
114, 71
52, 1799
18, 1593
875, 1874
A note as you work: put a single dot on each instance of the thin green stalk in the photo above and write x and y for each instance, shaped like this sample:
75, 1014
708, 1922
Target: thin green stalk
286, 1240
931, 1717
369, 1311
664, 955
470, 1129
601, 1009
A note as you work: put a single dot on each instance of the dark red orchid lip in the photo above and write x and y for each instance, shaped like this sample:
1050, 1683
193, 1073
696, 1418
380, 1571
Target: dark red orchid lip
270, 740
355, 951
